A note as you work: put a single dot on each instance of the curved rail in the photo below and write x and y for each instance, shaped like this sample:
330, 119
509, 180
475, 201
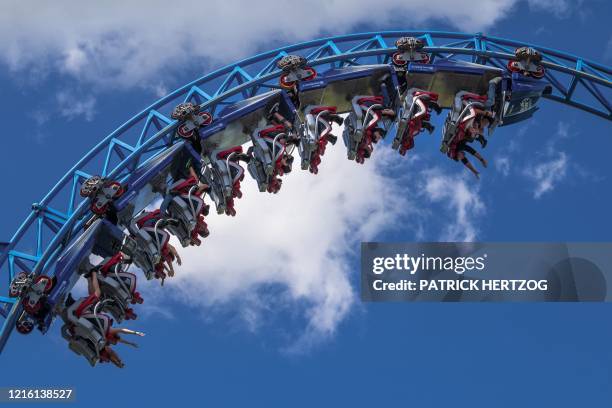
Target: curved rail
576, 82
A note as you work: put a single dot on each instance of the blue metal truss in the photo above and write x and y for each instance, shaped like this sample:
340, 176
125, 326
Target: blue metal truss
58, 216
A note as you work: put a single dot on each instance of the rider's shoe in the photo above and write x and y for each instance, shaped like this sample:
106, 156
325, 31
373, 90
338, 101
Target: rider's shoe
429, 127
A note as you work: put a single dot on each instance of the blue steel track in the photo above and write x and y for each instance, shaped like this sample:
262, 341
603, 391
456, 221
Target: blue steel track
59, 215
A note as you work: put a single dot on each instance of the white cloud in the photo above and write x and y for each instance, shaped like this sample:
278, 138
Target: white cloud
548, 174
128, 44
502, 164
557, 7
74, 60
296, 252
160, 89
72, 105
301, 244
563, 131
460, 199
553, 165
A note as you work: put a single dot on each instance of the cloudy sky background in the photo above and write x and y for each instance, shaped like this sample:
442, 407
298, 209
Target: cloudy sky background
276, 285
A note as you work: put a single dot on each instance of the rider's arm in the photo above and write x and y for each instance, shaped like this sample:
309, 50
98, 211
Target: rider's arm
174, 252
478, 111
128, 331
283, 120
129, 343
93, 285
193, 173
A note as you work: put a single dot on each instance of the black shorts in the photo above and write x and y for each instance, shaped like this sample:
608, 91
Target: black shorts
463, 146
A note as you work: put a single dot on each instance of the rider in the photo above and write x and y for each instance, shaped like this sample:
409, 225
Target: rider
470, 128
148, 219
276, 118
457, 153
112, 334
186, 168
422, 103
474, 124
273, 136
227, 175
112, 338
183, 188
372, 133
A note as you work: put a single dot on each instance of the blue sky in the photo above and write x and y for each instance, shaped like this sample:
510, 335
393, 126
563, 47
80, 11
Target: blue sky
248, 334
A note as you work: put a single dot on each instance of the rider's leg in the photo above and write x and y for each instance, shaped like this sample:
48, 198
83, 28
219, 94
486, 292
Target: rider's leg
165, 203
388, 112
114, 357
427, 125
336, 118
467, 164
377, 135
483, 141
281, 119
93, 285
477, 155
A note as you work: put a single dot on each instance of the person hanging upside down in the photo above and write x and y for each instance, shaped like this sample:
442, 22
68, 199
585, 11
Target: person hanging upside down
87, 306
112, 339
372, 133
422, 103
457, 153
186, 166
466, 133
477, 118
185, 189
479, 124
169, 255
152, 224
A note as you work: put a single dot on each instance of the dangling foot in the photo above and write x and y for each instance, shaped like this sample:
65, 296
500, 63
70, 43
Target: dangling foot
338, 119
130, 315
429, 127
436, 107
136, 298
388, 112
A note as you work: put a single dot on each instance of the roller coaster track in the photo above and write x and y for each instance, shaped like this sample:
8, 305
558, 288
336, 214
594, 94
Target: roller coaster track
58, 217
